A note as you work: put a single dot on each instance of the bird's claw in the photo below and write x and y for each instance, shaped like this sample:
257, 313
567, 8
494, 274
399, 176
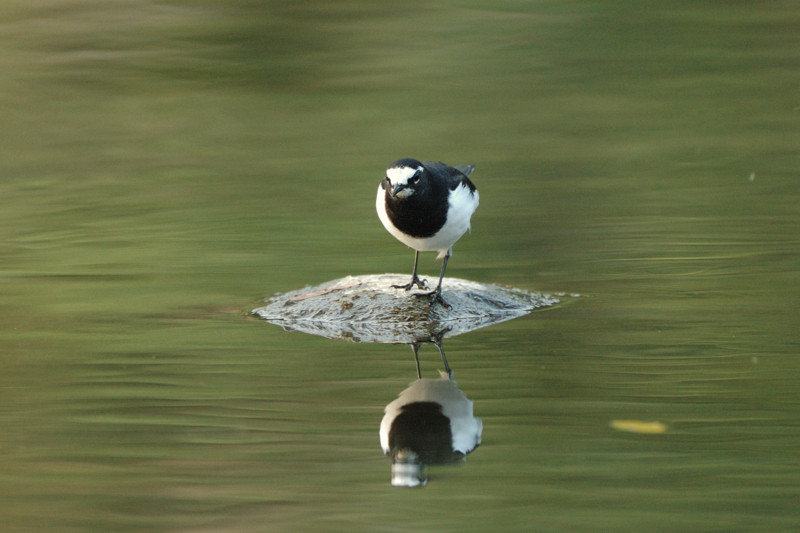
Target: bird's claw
410, 285
436, 296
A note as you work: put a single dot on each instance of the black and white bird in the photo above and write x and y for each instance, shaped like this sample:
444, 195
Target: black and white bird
430, 423
427, 206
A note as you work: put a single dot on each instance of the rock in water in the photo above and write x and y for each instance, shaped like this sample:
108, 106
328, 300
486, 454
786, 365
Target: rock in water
369, 309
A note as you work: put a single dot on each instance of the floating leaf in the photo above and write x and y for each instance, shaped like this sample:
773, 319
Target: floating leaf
639, 426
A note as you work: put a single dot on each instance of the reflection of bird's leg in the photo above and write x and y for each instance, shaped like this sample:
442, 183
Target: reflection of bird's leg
437, 340
415, 349
438, 343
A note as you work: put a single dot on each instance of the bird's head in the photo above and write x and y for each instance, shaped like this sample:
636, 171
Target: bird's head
403, 178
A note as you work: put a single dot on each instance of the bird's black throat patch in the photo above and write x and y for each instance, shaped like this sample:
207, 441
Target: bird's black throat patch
423, 213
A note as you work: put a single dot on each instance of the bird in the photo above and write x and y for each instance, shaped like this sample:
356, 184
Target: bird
430, 423
427, 206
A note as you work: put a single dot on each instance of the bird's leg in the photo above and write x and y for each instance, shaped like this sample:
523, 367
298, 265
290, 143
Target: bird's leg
436, 295
414, 279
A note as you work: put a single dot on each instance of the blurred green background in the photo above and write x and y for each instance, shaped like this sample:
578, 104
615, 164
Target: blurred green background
166, 165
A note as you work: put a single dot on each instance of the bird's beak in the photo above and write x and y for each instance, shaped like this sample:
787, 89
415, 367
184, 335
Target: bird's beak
397, 188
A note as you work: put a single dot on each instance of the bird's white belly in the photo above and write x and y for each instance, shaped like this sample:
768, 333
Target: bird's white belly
462, 204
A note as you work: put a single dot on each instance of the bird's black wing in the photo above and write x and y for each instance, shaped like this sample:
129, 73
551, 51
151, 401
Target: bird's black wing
452, 176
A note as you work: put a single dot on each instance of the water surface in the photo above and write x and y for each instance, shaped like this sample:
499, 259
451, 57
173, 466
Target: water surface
167, 165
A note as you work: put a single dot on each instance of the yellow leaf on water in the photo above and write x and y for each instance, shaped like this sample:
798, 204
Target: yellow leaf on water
639, 426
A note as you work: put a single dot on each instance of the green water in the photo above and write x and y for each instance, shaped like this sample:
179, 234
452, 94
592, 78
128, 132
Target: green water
167, 165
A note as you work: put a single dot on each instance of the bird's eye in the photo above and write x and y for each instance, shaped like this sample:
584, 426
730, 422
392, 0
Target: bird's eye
413, 179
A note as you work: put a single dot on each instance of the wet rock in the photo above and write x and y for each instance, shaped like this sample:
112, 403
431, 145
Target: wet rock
369, 309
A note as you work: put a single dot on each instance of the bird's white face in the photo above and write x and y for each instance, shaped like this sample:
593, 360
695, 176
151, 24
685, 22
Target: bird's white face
402, 181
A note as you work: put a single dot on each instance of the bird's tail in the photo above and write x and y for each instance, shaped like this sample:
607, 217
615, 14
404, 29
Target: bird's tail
465, 169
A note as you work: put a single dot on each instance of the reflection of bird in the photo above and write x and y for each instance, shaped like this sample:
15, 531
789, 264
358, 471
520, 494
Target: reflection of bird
431, 422
427, 206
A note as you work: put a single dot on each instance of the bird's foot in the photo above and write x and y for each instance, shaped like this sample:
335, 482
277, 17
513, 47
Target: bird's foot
436, 297
410, 285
